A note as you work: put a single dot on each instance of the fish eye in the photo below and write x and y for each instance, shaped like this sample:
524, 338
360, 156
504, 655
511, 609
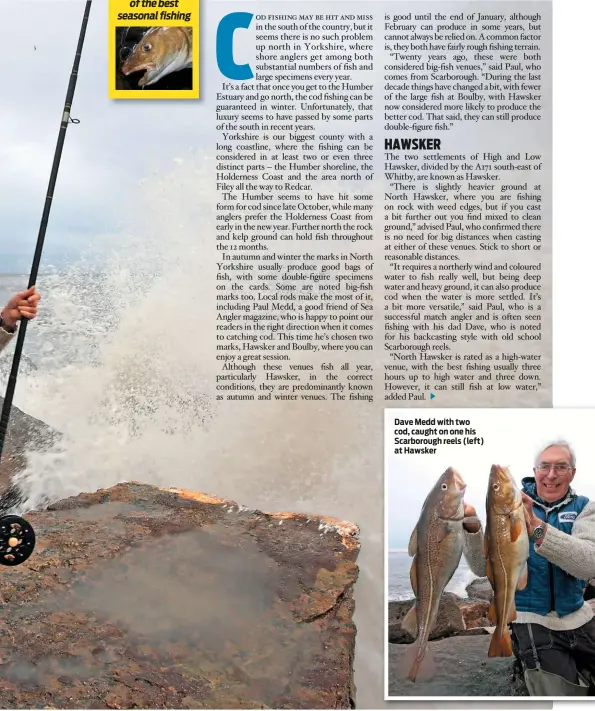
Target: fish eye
444, 486
496, 487
146, 47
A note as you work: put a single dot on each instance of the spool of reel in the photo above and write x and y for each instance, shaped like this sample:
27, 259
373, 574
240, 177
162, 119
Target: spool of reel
17, 540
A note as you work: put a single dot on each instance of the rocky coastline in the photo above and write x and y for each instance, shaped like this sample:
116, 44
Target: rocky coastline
457, 616
459, 645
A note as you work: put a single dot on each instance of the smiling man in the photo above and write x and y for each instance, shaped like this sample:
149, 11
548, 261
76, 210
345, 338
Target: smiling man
553, 635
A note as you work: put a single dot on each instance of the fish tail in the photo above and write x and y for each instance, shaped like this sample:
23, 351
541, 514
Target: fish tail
423, 667
417, 663
415, 666
501, 643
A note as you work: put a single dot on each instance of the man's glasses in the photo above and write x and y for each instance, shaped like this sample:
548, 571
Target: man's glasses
559, 468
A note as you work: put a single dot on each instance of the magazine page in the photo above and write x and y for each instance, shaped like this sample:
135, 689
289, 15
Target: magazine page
242, 240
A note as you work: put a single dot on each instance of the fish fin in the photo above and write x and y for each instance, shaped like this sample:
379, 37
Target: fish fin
413, 575
443, 531
500, 644
492, 615
409, 623
512, 612
516, 528
416, 664
412, 549
489, 572
522, 584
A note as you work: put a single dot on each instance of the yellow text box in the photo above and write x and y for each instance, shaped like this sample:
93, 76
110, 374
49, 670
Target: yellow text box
153, 49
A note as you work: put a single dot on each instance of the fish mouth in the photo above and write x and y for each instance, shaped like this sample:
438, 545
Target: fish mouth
450, 489
458, 480
148, 68
498, 469
500, 475
147, 76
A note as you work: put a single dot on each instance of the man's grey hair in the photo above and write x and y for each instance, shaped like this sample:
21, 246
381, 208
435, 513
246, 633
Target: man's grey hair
558, 443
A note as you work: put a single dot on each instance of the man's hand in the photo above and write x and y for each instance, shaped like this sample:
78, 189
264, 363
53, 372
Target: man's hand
22, 305
530, 518
471, 526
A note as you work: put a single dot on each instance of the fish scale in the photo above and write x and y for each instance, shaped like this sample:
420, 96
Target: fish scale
506, 547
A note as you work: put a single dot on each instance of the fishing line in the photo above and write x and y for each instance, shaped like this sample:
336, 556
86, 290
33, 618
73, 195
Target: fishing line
17, 537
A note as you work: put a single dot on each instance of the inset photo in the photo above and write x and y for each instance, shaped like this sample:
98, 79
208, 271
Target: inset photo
490, 553
154, 58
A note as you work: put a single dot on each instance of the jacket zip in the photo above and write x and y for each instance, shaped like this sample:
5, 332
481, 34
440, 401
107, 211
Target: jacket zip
552, 588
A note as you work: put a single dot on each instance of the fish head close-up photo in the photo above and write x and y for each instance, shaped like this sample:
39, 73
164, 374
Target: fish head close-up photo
161, 51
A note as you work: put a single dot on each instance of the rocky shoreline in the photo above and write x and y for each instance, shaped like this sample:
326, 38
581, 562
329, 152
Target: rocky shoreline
459, 645
457, 616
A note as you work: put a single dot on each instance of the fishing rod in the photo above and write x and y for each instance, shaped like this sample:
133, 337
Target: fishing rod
17, 537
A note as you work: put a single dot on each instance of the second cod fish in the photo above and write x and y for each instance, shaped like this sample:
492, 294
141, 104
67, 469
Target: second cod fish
161, 51
506, 546
437, 545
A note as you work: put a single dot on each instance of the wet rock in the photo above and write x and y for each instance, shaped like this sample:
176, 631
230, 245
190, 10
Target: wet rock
449, 622
475, 613
138, 597
25, 433
462, 669
480, 589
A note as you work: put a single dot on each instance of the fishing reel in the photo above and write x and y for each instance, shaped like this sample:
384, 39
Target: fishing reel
17, 540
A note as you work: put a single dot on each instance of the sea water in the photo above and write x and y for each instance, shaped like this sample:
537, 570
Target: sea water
399, 587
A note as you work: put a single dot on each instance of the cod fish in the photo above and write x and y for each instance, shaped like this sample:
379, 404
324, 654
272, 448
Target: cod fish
436, 546
506, 547
161, 51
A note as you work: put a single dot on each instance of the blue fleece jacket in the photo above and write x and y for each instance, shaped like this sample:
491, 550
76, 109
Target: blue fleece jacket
549, 588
